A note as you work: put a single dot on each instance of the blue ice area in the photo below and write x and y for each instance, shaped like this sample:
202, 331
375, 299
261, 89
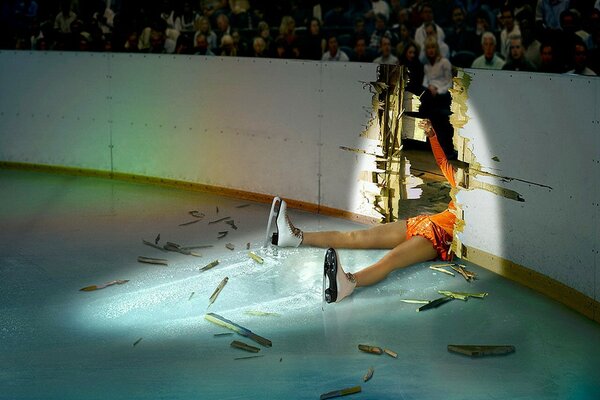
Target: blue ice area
62, 233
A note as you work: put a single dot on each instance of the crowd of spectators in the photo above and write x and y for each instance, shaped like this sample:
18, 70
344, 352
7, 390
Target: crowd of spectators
558, 36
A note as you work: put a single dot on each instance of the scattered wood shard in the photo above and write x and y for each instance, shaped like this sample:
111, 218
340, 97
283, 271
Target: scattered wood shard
435, 303
136, 342
157, 239
210, 265
154, 245
480, 351
370, 349
462, 295
219, 320
368, 375
243, 346
232, 224
257, 313
468, 275
242, 206
218, 290
230, 246
218, 220
149, 260
107, 284
256, 257
247, 357
414, 301
222, 234
170, 246
390, 353
341, 392
196, 214
223, 334
440, 269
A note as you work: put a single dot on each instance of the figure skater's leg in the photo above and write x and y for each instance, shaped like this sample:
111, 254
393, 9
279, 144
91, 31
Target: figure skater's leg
386, 236
414, 250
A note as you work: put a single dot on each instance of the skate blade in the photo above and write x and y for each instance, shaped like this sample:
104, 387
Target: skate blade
329, 274
272, 216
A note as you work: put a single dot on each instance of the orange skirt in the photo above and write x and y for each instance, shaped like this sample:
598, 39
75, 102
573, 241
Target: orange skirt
421, 225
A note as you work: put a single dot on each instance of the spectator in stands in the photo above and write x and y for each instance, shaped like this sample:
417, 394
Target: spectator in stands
241, 48
333, 53
203, 28
185, 44
212, 9
313, 45
287, 31
227, 46
223, 27
426, 13
530, 43
357, 10
404, 38
547, 13
158, 34
360, 30
264, 31
361, 52
336, 15
279, 48
103, 18
64, 19
386, 56
398, 13
594, 53
489, 59
548, 62
167, 13
509, 28
430, 31
157, 42
185, 20
482, 24
131, 43
460, 36
201, 47
516, 59
435, 101
240, 16
381, 30
377, 7
259, 47
580, 60
410, 59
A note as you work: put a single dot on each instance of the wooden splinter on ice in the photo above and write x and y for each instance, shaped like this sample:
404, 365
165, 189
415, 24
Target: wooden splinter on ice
480, 351
219, 320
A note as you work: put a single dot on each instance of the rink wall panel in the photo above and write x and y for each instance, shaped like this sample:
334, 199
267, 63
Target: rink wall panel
538, 135
275, 127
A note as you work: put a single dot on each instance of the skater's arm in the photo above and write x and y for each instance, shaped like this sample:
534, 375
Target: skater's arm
438, 152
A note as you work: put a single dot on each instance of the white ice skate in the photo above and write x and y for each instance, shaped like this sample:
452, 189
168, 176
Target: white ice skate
341, 284
287, 235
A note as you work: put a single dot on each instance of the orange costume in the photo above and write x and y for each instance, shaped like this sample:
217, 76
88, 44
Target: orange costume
437, 228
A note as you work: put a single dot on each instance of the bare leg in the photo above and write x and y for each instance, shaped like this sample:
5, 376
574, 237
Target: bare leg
386, 236
414, 250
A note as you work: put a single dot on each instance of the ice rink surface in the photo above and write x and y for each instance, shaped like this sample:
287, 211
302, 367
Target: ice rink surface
61, 233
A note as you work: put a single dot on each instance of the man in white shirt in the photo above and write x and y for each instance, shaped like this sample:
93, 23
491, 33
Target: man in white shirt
386, 52
427, 16
489, 59
333, 53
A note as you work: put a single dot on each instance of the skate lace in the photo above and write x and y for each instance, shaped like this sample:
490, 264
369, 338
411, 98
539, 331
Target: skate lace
293, 230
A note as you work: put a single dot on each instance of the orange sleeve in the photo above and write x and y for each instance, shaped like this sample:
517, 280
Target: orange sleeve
442, 161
